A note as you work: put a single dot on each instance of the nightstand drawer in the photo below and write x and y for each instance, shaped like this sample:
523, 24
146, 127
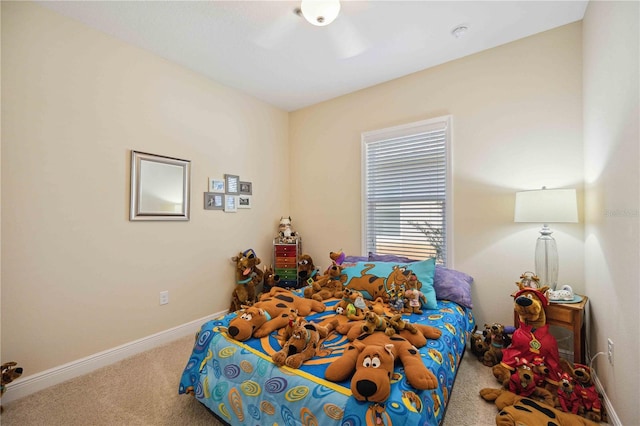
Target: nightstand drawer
558, 315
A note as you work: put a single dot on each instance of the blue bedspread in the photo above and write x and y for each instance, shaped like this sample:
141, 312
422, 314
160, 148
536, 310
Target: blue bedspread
238, 381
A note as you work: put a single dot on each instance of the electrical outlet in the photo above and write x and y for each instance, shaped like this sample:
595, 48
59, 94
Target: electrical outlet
164, 297
610, 351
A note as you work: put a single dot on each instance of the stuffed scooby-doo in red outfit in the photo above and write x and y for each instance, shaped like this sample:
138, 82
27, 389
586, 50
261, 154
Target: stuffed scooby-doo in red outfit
532, 339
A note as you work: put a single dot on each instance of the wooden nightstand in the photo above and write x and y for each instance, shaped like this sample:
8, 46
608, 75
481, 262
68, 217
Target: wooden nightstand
571, 317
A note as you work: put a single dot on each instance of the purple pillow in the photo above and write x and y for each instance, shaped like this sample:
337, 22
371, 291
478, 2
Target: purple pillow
375, 257
453, 285
354, 259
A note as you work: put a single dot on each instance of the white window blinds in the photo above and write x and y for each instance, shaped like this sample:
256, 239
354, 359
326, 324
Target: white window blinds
405, 189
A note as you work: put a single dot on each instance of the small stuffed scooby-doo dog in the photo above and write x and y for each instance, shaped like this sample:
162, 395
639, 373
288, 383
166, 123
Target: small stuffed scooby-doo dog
9, 373
478, 344
248, 278
586, 389
499, 341
303, 344
374, 322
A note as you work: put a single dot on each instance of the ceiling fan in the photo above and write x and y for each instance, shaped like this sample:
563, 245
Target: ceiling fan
347, 41
319, 12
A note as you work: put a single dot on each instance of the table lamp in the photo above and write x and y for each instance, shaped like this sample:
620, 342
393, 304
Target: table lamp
546, 206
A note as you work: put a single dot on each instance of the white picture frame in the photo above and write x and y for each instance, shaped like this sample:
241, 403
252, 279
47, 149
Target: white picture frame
244, 201
216, 185
230, 203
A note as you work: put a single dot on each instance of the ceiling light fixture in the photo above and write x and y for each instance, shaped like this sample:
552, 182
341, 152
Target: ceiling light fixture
460, 31
320, 12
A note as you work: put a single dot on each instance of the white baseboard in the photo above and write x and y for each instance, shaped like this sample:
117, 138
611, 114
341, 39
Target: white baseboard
25, 386
611, 413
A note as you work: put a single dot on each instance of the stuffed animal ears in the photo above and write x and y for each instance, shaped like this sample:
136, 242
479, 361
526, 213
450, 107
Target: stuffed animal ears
389, 348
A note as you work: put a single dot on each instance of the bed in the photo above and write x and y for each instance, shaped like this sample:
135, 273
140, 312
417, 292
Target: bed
239, 382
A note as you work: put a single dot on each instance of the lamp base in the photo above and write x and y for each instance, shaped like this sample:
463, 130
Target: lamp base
547, 259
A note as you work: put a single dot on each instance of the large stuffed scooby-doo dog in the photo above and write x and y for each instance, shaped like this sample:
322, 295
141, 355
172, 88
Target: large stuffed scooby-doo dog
516, 410
270, 313
371, 359
532, 339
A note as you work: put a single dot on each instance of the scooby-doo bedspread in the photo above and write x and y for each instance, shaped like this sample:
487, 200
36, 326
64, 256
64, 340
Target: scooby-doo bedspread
240, 383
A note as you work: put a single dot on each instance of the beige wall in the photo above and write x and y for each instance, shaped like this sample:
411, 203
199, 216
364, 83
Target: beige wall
517, 124
612, 196
77, 276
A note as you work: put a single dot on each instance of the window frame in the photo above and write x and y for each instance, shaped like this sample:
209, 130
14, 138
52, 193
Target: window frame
445, 122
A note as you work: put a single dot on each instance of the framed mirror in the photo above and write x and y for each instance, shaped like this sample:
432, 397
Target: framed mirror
160, 187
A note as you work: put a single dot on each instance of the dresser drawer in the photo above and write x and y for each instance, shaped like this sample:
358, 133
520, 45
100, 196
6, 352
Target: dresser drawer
286, 262
285, 249
287, 274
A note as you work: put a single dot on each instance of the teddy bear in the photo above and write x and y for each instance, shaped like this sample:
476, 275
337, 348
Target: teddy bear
248, 278
270, 313
370, 359
516, 410
532, 338
413, 299
329, 285
302, 344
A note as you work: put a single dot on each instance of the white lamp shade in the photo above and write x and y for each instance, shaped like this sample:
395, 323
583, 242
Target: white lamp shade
320, 12
546, 206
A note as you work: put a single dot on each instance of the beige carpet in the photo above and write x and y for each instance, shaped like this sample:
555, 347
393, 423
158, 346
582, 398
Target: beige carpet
143, 390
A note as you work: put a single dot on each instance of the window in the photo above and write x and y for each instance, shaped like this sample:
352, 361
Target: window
406, 190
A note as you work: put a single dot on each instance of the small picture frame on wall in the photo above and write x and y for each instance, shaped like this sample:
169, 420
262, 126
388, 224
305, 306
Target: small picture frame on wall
230, 203
232, 184
244, 201
216, 185
213, 201
246, 188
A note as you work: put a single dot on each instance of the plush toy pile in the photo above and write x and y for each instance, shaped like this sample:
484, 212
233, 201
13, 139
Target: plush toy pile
536, 384
380, 337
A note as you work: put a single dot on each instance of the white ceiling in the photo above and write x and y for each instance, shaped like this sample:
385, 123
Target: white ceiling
264, 49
